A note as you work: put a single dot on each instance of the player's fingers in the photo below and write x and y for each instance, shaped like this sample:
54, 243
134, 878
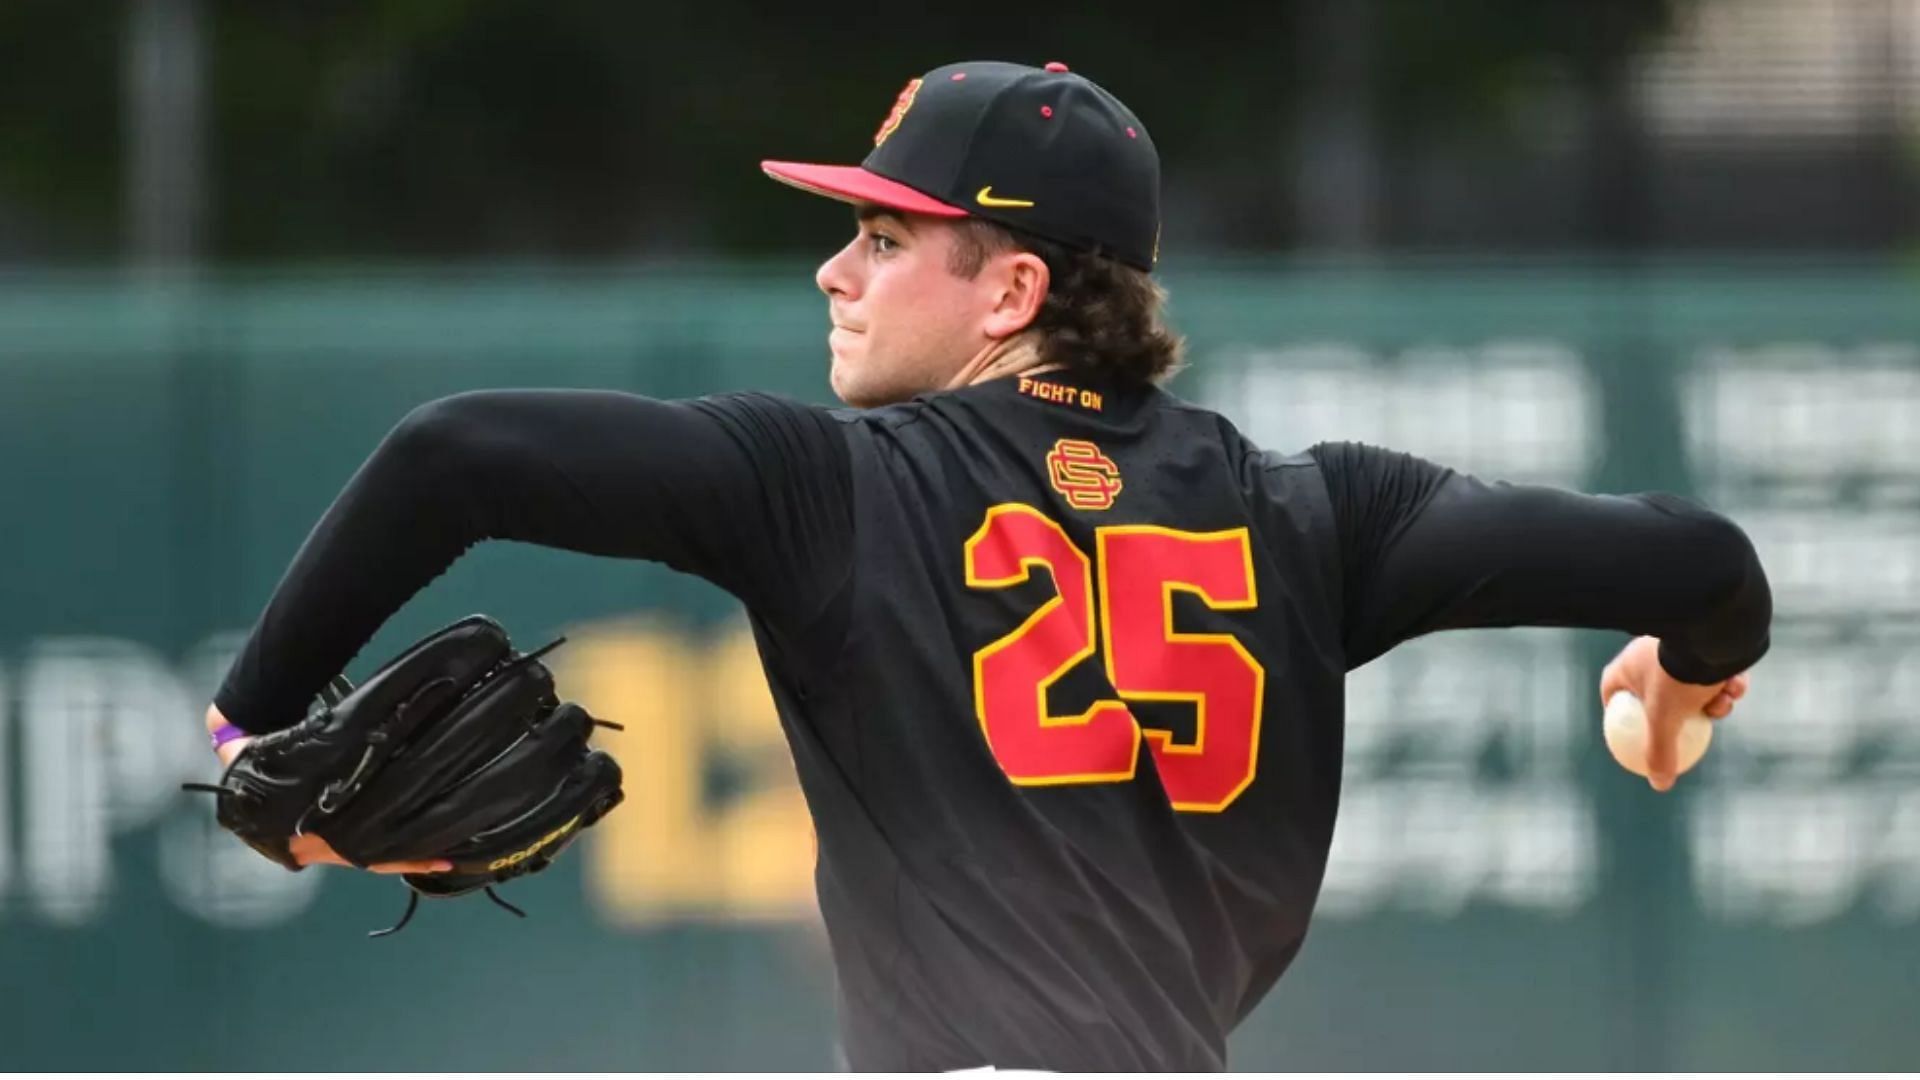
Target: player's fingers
1737, 686
421, 866
1662, 756
1662, 768
1660, 779
417, 866
1612, 681
1720, 707
1663, 751
311, 849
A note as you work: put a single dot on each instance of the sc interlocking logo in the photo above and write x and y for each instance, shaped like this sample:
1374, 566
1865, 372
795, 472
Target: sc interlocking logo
1087, 478
899, 111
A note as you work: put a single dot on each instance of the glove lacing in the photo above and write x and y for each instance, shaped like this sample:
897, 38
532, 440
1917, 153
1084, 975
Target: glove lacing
413, 904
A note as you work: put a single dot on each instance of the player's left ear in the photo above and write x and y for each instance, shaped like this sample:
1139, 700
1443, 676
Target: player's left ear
1019, 280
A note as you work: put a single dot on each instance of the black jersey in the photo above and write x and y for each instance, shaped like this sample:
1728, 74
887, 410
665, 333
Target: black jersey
1060, 662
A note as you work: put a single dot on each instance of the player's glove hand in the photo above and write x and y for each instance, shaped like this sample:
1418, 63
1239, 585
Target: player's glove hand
457, 751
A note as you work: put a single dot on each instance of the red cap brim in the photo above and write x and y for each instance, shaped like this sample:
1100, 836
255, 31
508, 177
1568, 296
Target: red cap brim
851, 183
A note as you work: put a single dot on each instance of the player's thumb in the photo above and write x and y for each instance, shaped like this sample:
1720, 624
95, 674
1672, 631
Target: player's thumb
1630, 670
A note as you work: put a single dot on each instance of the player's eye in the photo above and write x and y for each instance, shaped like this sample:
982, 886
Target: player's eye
882, 243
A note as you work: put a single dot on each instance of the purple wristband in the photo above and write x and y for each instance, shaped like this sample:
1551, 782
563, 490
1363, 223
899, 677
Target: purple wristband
225, 734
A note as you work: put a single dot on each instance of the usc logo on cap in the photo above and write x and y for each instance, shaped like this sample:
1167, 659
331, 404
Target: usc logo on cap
899, 112
1086, 477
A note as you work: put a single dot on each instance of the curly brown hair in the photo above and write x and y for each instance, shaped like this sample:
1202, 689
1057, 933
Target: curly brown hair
1100, 315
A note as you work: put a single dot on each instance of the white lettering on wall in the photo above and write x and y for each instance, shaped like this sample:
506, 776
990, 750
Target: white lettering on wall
1442, 706
204, 868
101, 731
1813, 808
1523, 411
1431, 846
1799, 415
1459, 746
1801, 854
108, 732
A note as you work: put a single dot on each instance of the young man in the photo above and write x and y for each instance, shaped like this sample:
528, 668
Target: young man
1059, 657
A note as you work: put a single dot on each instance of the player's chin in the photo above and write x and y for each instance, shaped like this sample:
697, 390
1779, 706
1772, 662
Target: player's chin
844, 380
853, 384
851, 368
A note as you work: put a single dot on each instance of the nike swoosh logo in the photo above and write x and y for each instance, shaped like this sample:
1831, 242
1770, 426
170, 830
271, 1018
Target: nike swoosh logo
987, 198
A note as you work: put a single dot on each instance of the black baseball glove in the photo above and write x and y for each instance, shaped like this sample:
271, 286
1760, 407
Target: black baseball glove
457, 749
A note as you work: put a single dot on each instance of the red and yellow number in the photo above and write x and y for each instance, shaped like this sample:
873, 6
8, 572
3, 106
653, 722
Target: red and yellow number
1011, 676
1140, 568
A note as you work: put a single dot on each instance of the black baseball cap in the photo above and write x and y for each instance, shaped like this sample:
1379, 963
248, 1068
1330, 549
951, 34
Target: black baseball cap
1040, 150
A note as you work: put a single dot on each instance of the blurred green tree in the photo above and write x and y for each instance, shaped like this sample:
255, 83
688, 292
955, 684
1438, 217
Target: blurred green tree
583, 128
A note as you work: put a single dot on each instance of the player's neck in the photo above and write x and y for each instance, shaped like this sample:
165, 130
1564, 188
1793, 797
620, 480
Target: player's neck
1017, 355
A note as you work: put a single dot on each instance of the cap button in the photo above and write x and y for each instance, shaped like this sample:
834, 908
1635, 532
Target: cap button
1055, 65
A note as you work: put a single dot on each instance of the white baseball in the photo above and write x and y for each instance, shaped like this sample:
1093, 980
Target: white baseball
1626, 732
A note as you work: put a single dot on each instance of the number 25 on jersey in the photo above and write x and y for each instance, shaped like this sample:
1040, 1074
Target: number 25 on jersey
1139, 567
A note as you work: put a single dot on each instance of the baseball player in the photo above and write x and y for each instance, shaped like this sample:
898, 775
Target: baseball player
1059, 656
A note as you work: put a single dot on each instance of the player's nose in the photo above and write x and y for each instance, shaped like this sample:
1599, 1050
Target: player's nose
835, 276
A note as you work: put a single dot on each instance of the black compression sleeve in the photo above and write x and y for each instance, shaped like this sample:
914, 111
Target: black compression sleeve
750, 492
1425, 548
